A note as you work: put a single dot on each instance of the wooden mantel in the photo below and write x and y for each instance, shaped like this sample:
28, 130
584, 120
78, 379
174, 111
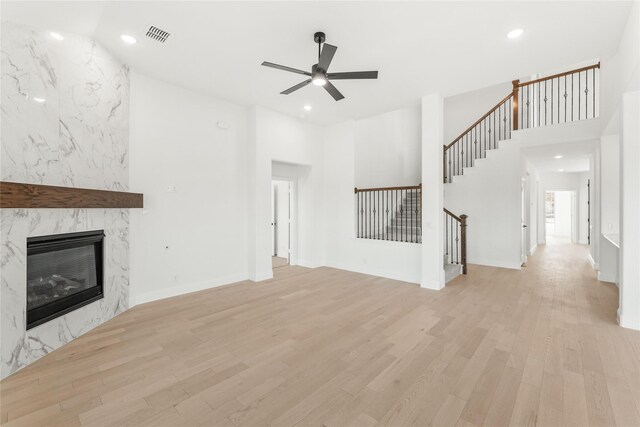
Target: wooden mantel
19, 195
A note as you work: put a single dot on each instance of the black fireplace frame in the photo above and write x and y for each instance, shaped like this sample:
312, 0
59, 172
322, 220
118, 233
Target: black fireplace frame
42, 244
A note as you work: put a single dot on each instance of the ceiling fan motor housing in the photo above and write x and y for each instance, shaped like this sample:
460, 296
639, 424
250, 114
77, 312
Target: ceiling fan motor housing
319, 37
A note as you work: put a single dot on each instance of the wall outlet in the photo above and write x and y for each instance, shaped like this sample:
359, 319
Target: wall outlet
171, 189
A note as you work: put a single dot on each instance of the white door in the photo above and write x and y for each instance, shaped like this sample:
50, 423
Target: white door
274, 232
523, 228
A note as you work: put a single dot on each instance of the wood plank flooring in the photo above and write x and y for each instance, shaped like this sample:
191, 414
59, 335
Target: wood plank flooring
327, 347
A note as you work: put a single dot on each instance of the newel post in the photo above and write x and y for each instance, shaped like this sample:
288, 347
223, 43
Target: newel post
516, 90
463, 242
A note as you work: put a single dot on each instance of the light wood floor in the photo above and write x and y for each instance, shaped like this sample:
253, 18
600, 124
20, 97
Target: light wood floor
328, 347
277, 261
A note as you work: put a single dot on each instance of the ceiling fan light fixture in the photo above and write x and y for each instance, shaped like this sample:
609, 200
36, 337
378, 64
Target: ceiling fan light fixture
515, 33
319, 80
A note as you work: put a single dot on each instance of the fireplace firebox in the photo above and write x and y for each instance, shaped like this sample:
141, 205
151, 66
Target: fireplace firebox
64, 273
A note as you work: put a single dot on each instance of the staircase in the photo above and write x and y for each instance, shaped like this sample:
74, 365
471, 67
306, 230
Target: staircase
559, 98
482, 166
406, 221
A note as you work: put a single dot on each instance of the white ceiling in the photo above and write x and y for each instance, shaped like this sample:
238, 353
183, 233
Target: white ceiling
418, 47
575, 156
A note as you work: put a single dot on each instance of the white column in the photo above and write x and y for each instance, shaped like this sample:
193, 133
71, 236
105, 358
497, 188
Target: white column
629, 311
432, 193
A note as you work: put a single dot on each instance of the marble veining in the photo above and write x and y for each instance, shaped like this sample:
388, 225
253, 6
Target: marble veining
64, 121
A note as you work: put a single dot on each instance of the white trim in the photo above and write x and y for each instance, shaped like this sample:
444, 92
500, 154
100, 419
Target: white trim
605, 278
403, 277
432, 285
625, 322
184, 289
593, 263
259, 277
495, 263
532, 249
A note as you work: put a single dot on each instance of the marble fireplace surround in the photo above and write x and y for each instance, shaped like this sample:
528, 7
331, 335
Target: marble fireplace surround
78, 137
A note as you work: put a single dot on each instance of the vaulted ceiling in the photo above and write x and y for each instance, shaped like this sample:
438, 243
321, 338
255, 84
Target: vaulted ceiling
418, 47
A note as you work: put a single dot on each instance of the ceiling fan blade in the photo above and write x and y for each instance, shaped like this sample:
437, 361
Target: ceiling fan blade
326, 56
296, 87
285, 68
333, 91
353, 75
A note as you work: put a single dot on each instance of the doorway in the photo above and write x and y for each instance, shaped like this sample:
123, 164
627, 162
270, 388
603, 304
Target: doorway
281, 222
560, 217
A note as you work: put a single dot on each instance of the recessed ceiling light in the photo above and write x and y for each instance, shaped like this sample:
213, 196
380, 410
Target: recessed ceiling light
56, 36
559, 156
514, 34
128, 39
307, 107
560, 170
39, 100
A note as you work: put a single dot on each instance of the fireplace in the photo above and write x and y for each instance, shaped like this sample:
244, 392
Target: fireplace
64, 273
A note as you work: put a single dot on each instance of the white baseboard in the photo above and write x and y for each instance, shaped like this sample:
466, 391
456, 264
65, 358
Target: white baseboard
305, 263
394, 275
495, 263
593, 263
627, 322
184, 289
259, 277
610, 278
432, 285
532, 249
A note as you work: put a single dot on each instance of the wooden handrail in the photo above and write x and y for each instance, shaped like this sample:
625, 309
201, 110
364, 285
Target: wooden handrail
407, 187
448, 212
555, 76
505, 99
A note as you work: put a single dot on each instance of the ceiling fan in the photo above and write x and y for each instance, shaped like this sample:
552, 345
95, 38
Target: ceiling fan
319, 75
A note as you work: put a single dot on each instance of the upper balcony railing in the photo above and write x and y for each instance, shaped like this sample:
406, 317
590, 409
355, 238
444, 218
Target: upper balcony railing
389, 213
559, 98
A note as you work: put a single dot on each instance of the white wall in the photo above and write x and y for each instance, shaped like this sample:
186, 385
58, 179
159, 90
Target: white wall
192, 232
461, 111
277, 137
630, 212
343, 250
490, 194
610, 183
387, 149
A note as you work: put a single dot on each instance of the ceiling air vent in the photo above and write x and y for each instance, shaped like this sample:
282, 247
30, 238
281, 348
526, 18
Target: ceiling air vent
158, 34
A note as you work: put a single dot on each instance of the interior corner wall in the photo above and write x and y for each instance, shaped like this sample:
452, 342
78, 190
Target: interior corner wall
490, 195
387, 149
191, 234
394, 260
610, 184
629, 267
280, 138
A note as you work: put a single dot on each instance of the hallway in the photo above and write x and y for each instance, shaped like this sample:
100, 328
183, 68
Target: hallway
538, 346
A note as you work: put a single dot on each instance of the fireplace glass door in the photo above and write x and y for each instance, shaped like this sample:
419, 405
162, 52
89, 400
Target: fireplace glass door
64, 273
